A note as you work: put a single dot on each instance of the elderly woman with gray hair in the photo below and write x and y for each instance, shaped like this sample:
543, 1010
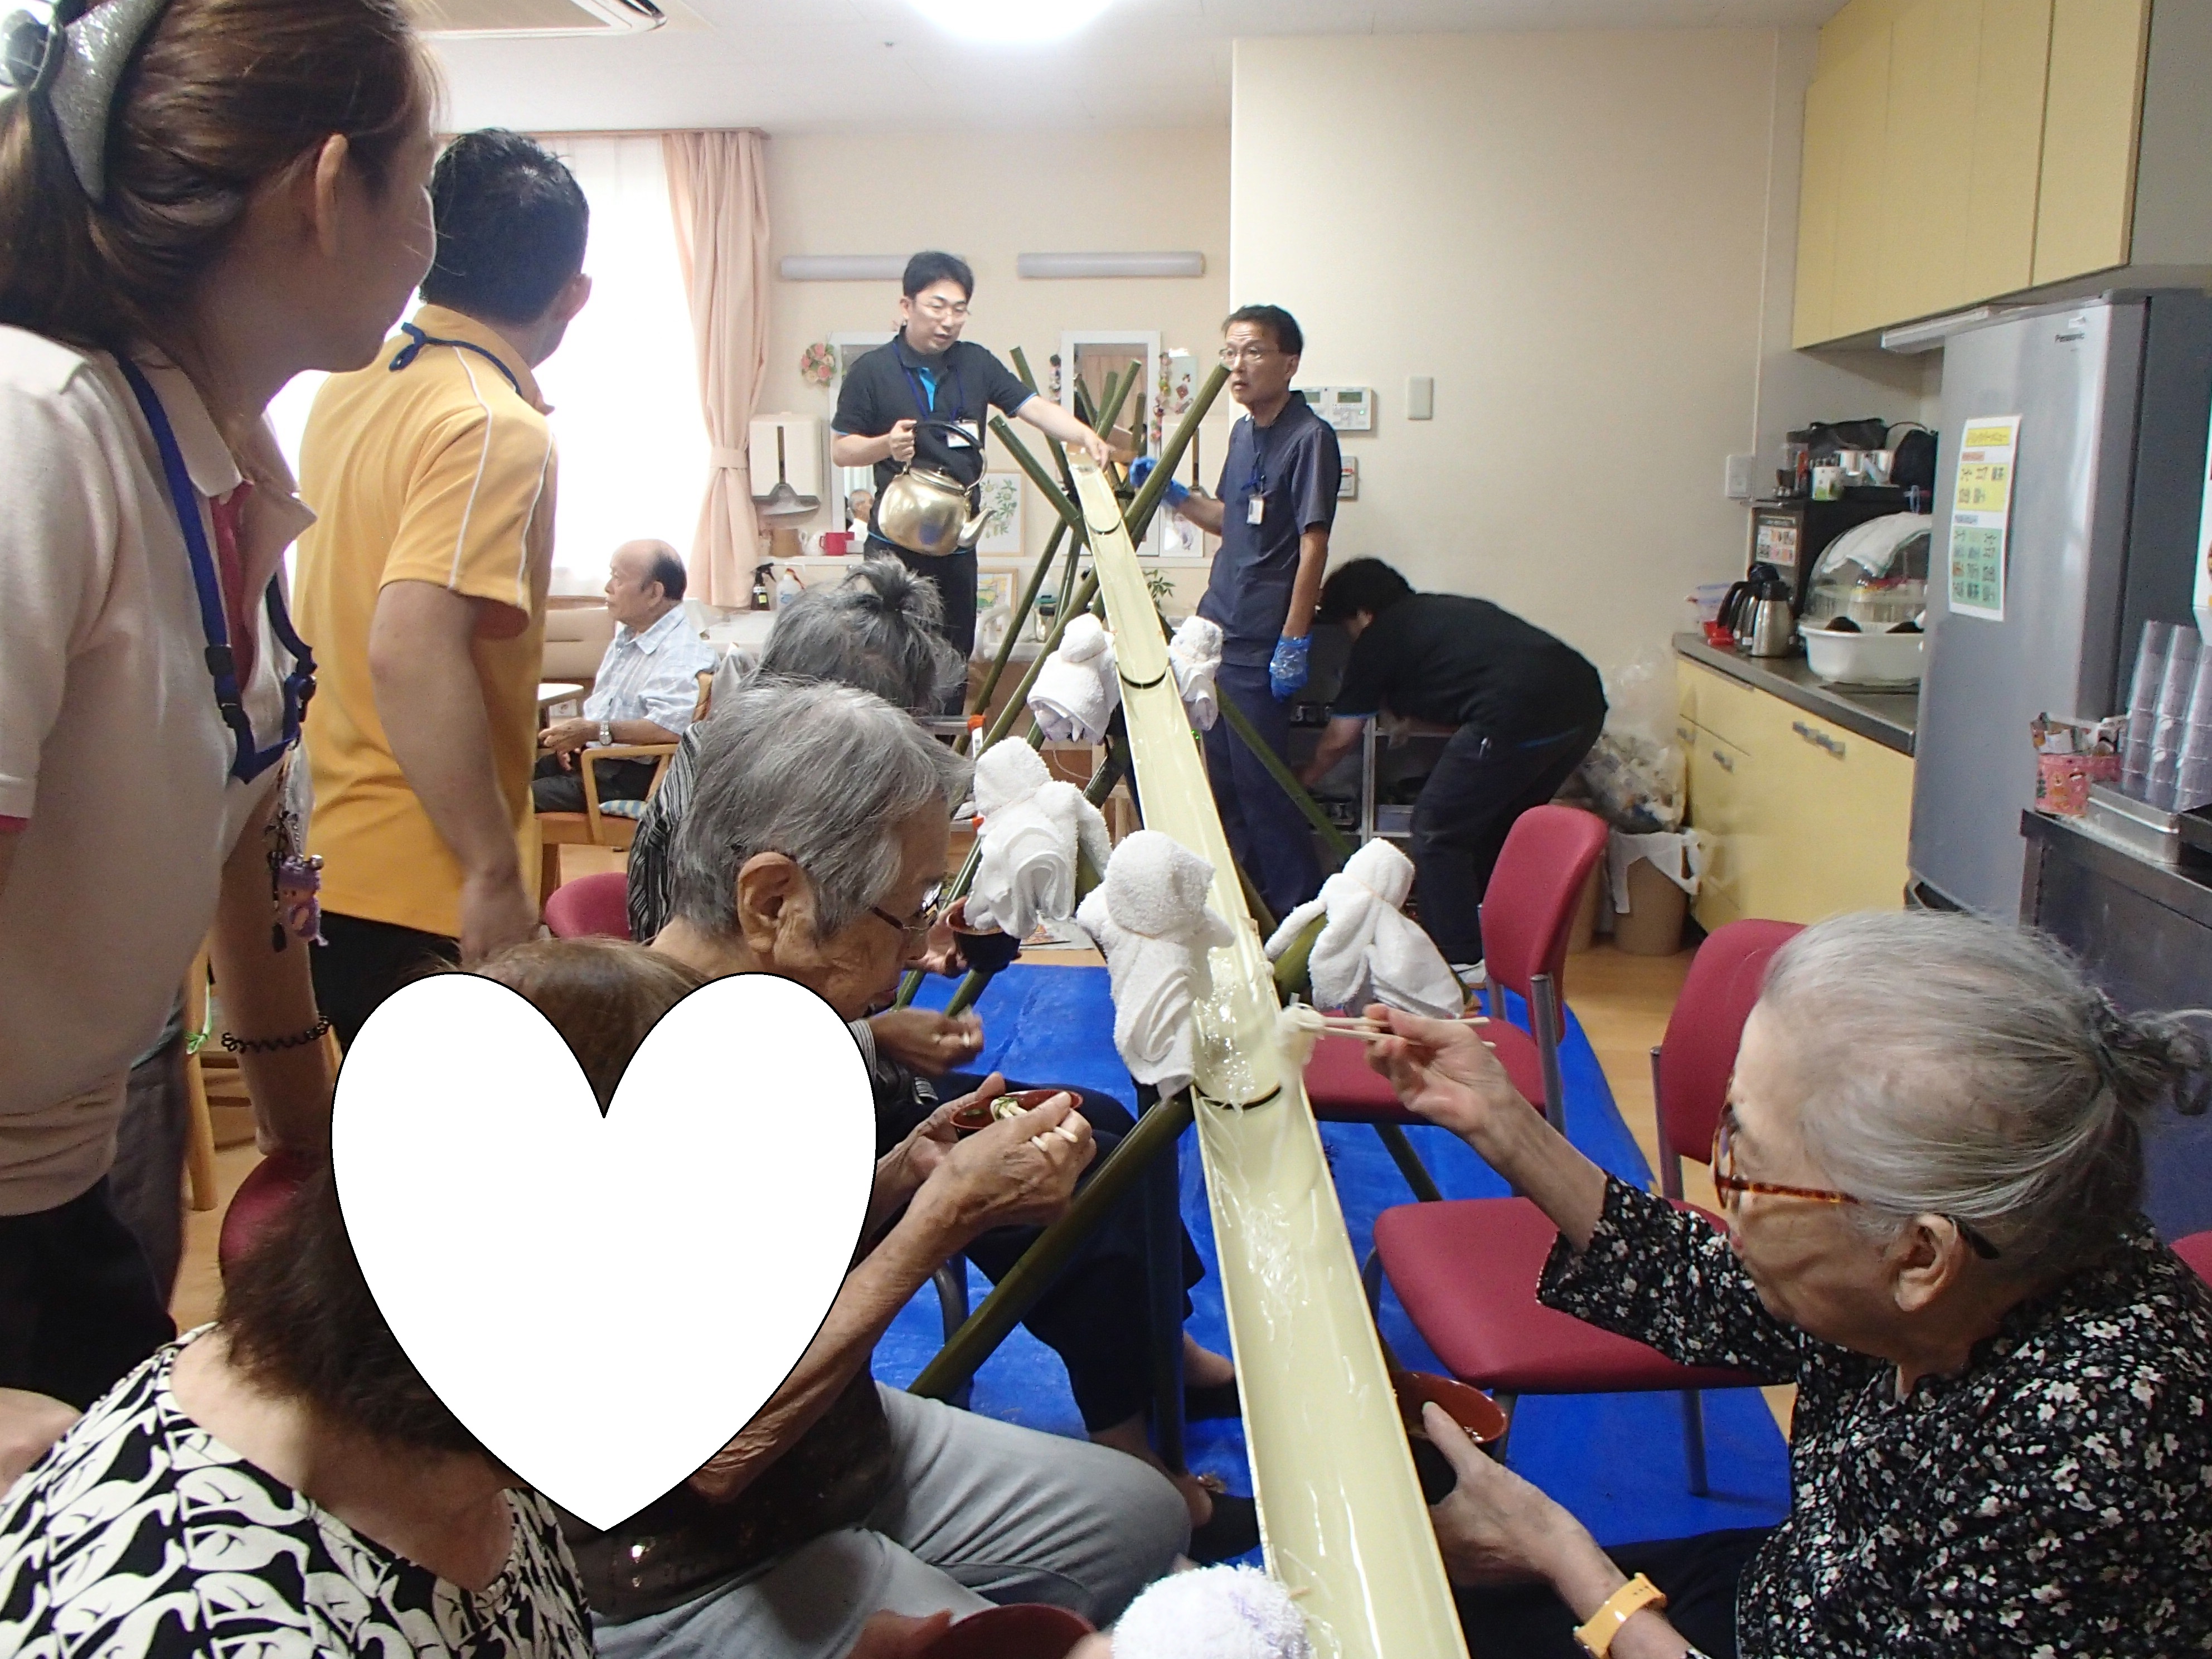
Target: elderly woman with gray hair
815, 834
1931, 1165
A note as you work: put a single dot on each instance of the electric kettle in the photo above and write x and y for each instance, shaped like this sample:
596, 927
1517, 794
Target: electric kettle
1757, 611
925, 511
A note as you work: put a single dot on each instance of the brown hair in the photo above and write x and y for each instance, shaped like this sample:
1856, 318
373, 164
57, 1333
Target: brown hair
220, 95
298, 1314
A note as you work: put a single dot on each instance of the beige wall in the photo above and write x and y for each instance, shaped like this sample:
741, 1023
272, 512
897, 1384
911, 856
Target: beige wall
988, 196
1586, 238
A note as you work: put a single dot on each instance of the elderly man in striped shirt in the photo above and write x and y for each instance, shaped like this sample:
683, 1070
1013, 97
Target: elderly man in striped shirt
646, 687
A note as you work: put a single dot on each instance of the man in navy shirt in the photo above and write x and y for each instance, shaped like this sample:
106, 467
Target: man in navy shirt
927, 371
1276, 502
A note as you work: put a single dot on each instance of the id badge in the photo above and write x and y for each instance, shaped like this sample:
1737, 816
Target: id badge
1255, 509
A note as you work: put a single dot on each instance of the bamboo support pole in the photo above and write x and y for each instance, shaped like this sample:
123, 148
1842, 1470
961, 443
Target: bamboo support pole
1284, 776
1006, 652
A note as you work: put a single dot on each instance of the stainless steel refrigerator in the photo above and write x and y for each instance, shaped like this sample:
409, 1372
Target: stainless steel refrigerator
2113, 395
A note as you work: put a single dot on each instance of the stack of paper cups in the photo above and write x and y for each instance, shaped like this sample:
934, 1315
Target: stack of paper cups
2192, 784
2142, 707
2175, 691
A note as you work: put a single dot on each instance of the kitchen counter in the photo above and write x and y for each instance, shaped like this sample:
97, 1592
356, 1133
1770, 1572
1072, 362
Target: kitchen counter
1886, 718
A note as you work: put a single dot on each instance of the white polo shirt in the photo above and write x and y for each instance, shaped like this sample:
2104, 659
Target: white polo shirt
114, 761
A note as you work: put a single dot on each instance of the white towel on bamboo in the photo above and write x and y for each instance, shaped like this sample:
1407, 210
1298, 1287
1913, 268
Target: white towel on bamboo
1033, 826
1194, 653
1077, 690
1151, 918
1368, 950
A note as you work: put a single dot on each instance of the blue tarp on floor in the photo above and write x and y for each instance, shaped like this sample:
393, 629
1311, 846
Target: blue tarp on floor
1615, 1459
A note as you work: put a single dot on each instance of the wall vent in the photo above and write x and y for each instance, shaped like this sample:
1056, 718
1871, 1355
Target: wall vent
508, 19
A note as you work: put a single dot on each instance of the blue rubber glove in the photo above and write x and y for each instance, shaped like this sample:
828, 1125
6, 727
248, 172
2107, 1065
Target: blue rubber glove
1141, 468
1287, 672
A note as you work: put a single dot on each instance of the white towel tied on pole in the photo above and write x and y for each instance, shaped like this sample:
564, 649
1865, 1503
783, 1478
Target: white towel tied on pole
1032, 827
1368, 950
1194, 653
1151, 918
1077, 690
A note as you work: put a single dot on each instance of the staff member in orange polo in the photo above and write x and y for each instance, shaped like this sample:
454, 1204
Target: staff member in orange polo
423, 587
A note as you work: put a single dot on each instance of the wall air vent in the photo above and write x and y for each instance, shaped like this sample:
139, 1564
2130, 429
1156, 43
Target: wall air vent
509, 19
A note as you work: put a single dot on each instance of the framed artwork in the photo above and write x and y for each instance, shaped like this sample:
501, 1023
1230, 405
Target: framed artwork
994, 588
1002, 514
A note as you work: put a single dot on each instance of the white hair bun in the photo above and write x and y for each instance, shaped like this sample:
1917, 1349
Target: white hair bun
1216, 1612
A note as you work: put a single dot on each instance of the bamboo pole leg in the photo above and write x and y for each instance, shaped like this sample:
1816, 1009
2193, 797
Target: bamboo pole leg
1164, 1294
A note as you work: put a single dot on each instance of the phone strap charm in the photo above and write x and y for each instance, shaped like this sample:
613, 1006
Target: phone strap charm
295, 882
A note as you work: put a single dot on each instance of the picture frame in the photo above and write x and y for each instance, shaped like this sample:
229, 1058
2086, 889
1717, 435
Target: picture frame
1001, 506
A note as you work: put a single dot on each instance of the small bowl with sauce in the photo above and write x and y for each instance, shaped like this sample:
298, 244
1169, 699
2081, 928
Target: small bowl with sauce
1475, 1411
984, 1113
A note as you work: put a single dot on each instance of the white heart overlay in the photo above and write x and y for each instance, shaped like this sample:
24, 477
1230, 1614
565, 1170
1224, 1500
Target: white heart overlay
603, 1301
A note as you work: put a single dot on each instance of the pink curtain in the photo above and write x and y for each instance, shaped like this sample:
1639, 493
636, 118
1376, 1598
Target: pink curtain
718, 195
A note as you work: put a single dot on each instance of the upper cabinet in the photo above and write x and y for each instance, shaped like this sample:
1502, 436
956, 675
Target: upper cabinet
1962, 150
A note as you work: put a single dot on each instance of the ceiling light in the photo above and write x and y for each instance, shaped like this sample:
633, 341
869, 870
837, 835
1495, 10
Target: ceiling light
841, 267
1012, 22
1109, 264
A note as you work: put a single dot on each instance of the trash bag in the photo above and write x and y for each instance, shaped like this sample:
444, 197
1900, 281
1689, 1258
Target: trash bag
1632, 777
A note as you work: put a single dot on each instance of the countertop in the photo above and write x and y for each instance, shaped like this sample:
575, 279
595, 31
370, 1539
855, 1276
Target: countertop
1886, 718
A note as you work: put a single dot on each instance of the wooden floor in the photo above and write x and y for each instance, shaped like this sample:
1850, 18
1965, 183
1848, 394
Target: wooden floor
1622, 1001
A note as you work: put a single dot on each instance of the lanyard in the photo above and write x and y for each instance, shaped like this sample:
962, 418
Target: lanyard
921, 396
417, 339
1256, 482
250, 763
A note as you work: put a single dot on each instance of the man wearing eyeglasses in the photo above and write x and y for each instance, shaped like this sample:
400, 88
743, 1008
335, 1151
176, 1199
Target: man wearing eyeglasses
1273, 511
928, 372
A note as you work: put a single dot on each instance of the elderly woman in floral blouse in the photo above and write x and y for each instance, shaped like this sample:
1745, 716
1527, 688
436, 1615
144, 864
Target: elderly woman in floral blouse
1930, 1166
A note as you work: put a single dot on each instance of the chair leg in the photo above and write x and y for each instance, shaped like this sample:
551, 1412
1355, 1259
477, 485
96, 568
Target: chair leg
952, 1280
1409, 1163
1544, 1012
1505, 1403
1693, 1439
199, 1144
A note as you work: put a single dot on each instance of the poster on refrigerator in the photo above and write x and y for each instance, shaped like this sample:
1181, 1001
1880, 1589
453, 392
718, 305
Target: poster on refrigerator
1980, 509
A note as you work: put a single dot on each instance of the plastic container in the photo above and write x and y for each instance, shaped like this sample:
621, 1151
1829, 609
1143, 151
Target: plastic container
1864, 659
1652, 924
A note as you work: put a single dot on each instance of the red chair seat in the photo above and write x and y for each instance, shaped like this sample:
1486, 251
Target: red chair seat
260, 1199
1343, 1088
2196, 1250
1466, 1272
594, 906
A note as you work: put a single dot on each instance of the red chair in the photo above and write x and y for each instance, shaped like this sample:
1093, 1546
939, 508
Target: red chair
590, 907
1465, 1271
2196, 1251
1528, 918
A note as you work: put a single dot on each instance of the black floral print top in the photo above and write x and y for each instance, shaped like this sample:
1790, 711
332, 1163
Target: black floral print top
2053, 1498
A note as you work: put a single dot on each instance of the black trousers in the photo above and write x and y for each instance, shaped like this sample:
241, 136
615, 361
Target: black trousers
1094, 1316
146, 1188
954, 578
1699, 1575
362, 963
1480, 785
552, 790
78, 1304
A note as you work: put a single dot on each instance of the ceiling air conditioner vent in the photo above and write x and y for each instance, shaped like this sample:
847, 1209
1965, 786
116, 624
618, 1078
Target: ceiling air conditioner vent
507, 19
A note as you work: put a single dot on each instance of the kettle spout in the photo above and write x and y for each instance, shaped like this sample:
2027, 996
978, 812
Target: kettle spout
971, 531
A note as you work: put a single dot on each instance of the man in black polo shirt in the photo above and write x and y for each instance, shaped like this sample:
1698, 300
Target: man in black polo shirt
928, 372
1528, 708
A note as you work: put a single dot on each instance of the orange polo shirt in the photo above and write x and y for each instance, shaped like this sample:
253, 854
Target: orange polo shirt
442, 473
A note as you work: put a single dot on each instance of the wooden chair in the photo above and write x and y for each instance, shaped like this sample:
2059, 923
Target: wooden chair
612, 824
199, 1143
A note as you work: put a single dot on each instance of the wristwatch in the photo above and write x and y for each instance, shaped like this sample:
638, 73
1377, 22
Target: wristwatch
606, 733
1631, 1598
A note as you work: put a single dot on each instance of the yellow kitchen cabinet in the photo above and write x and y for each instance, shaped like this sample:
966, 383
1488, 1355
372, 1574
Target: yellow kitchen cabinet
1722, 806
1998, 215
2085, 214
1840, 211
1826, 150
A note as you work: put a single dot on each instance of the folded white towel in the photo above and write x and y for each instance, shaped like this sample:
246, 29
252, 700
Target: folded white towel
1194, 653
1032, 827
1151, 918
1368, 952
1077, 690
1216, 1613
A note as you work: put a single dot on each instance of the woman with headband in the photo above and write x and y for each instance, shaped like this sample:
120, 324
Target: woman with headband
198, 200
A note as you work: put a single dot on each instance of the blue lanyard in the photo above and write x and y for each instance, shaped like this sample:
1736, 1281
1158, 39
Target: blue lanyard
921, 395
1255, 482
417, 339
250, 763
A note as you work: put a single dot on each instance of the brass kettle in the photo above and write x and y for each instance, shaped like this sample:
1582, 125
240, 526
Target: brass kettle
926, 511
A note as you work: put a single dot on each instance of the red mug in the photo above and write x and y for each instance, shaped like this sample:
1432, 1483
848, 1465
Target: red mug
1024, 1629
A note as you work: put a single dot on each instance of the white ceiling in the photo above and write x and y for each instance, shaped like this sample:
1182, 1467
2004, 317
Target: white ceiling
812, 65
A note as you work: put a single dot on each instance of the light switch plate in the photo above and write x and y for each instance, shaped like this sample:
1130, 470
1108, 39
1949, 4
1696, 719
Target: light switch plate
1420, 397
1737, 486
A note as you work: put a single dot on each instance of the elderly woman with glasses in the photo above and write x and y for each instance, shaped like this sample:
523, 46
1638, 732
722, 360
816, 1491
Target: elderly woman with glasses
816, 828
1929, 1168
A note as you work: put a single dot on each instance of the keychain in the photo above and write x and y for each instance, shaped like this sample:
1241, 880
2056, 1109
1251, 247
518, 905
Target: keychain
296, 876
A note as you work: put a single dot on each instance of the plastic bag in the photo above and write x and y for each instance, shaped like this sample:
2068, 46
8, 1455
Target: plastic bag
1632, 777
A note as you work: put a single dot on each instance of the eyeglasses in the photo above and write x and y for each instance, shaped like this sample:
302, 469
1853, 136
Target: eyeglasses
940, 309
915, 933
1232, 356
1731, 1187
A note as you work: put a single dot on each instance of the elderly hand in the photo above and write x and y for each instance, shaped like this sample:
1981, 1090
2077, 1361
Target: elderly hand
1494, 1528
29, 1424
564, 737
1442, 1069
942, 954
901, 1171
895, 1636
1021, 1171
926, 1041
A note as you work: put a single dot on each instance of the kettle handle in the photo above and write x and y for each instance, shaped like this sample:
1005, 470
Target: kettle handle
978, 434
1731, 602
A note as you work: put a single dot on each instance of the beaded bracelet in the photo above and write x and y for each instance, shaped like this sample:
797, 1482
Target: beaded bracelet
238, 1045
